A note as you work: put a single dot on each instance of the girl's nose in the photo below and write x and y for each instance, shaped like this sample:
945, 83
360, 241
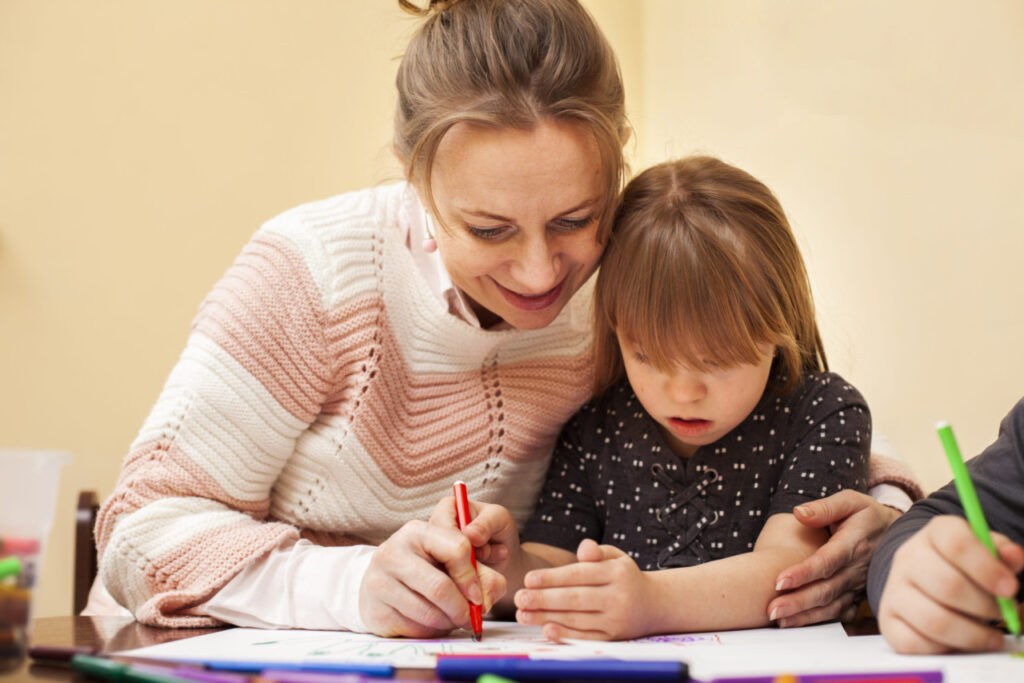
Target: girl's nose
686, 386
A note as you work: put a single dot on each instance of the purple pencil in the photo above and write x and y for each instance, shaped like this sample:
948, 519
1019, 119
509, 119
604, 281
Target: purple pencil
281, 676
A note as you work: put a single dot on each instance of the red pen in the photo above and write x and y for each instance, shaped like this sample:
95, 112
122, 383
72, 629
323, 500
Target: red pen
462, 518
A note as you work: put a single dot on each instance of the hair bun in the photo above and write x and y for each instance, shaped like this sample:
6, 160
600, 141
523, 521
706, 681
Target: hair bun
433, 7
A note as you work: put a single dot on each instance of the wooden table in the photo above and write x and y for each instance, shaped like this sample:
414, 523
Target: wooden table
113, 634
110, 634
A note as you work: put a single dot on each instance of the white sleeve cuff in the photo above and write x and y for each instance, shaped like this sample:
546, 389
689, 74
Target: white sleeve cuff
297, 585
891, 495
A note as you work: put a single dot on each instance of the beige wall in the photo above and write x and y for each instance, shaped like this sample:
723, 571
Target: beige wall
141, 143
893, 133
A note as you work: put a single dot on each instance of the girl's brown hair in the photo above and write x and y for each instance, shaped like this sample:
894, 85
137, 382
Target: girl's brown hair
701, 268
507, 63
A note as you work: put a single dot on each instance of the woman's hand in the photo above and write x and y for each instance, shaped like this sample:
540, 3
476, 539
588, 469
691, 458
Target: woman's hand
826, 585
603, 596
492, 531
940, 594
419, 580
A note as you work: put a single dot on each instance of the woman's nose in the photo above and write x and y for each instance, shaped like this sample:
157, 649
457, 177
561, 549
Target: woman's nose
536, 268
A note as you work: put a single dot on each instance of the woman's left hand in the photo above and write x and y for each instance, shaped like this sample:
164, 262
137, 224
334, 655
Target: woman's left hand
827, 584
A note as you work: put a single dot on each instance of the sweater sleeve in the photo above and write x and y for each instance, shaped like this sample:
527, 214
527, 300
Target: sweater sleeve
883, 469
285, 589
191, 507
998, 475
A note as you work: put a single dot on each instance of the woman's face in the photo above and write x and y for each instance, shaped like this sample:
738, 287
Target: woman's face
520, 211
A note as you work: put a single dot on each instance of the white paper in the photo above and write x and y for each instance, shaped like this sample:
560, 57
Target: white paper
769, 651
297, 646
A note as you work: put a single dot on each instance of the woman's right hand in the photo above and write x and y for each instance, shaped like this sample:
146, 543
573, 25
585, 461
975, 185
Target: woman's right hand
419, 580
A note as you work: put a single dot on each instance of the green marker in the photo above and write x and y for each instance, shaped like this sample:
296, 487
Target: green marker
10, 566
975, 517
109, 670
493, 678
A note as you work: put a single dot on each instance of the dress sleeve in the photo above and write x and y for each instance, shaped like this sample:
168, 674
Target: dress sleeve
566, 511
828, 448
190, 508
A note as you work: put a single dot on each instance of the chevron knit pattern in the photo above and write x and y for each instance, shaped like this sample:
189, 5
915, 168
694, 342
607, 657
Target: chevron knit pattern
325, 391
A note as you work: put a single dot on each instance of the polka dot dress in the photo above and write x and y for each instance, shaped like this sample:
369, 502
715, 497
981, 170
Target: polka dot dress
613, 478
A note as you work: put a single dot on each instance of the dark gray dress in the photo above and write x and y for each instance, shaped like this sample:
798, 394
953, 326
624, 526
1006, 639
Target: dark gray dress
613, 478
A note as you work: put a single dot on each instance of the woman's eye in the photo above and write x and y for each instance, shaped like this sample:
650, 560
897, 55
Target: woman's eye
570, 224
487, 234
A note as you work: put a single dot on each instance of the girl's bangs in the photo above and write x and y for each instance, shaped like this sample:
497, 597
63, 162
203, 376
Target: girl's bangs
687, 301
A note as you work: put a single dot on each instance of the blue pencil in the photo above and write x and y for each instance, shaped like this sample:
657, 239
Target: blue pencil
367, 669
520, 669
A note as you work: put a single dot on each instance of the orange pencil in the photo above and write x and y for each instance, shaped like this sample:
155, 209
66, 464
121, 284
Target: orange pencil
462, 518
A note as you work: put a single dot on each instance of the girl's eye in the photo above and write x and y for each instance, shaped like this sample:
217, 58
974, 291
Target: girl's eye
639, 356
571, 224
487, 234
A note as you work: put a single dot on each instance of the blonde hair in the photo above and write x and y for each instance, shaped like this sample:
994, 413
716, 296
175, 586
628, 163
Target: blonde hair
505, 63
702, 267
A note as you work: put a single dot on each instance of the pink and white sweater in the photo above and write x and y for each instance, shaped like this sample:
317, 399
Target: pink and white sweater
333, 387
326, 391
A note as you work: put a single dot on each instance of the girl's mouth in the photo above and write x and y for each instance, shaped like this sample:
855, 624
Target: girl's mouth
689, 427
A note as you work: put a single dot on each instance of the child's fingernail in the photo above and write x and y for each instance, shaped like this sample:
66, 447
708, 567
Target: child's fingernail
476, 596
805, 510
1005, 588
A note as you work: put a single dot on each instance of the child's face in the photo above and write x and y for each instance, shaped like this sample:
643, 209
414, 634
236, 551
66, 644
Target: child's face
695, 408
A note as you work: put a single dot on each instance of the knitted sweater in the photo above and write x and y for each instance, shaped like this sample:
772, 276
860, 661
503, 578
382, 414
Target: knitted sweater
325, 391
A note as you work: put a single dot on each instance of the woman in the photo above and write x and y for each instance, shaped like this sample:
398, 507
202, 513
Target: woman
365, 351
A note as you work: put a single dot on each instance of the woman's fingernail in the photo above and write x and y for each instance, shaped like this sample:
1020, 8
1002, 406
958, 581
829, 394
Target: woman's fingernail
784, 583
774, 614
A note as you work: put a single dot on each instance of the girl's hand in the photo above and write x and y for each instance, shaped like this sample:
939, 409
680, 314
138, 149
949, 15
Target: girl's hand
419, 580
827, 584
941, 589
604, 596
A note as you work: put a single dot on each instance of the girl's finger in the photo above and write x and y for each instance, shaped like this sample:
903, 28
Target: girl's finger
557, 633
576, 599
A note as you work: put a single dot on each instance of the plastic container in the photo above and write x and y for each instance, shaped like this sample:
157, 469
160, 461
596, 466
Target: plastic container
29, 484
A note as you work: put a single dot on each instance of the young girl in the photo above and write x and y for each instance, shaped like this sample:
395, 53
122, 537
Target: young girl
715, 415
